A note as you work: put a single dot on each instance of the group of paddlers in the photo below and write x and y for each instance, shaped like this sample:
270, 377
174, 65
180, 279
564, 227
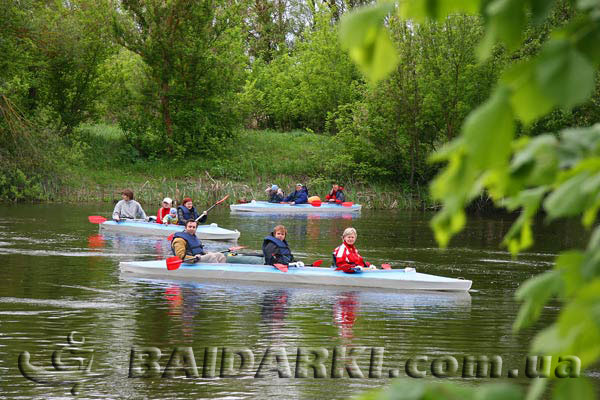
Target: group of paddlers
345, 257
300, 195
275, 248
128, 208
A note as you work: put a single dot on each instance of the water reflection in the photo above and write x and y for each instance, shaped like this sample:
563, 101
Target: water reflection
344, 313
96, 241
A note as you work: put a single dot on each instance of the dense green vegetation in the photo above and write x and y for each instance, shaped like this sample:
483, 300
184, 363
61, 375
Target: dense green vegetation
182, 80
255, 159
557, 172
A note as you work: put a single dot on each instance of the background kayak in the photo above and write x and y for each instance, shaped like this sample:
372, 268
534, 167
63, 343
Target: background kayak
206, 232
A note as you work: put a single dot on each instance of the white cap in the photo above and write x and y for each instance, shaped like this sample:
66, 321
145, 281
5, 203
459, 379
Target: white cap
167, 200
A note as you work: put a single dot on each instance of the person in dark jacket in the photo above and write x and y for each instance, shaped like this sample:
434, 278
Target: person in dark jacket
276, 249
275, 194
336, 195
187, 211
299, 196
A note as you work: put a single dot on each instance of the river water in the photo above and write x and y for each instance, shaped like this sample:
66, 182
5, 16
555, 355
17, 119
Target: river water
60, 278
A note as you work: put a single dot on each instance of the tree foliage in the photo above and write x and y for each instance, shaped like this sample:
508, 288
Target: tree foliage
559, 174
186, 46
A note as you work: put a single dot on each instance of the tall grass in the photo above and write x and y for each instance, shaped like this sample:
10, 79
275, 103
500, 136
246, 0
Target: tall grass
243, 169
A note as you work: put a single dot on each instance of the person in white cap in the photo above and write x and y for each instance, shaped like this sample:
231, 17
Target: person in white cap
275, 194
164, 210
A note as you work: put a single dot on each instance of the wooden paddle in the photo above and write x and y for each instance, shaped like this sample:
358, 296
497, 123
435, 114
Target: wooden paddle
96, 219
213, 206
175, 262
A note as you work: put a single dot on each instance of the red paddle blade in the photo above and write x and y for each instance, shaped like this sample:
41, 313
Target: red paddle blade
347, 204
386, 266
316, 204
236, 248
222, 200
170, 237
96, 219
317, 263
173, 263
281, 267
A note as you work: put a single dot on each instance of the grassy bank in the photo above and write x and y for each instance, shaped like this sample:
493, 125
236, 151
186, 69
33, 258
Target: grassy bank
242, 168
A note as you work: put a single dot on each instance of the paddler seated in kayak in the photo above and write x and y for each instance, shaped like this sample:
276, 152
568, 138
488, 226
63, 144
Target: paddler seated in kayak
275, 194
188, 247
128, 208
346, 257
164, 210
276, 249
171, 217
336, 195
187, 211
299, 196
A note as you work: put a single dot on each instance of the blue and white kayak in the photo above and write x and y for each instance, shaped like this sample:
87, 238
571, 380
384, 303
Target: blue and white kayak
266, 207
395, 279
204, 232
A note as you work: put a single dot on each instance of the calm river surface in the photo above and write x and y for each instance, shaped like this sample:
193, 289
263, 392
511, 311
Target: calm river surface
59, 275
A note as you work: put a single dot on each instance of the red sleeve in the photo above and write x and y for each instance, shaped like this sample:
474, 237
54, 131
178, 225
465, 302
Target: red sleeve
159, 216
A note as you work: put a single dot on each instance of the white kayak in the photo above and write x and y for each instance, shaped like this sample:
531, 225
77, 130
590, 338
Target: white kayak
395, 279
204, 232
324, 208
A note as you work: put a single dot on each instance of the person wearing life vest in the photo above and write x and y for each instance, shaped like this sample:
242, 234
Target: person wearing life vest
299, 196
188, 247
336, 195
346, 257
164, 210
187, 211
276, 249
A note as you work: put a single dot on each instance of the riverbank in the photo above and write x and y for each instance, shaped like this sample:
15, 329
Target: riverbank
243, 169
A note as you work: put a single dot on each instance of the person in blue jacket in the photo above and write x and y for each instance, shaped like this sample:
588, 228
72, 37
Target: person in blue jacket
299, 196
187, 211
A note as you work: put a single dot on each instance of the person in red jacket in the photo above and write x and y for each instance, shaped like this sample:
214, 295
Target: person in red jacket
336, 195
346, 256
164, 210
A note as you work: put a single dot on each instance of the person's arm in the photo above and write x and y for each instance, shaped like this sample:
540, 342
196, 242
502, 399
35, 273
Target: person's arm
270, 252
159, 216
179, 247
141, 212
289, 197
180, 219
117, 211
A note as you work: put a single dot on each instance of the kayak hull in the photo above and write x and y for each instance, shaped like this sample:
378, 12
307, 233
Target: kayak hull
266, 207
204, 232
399, 279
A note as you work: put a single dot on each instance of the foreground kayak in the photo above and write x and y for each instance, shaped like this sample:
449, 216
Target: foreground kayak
266, 207
204, 232
399, 279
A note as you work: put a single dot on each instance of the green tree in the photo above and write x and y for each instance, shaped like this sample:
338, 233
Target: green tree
557, 173
298, 90
187, 46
